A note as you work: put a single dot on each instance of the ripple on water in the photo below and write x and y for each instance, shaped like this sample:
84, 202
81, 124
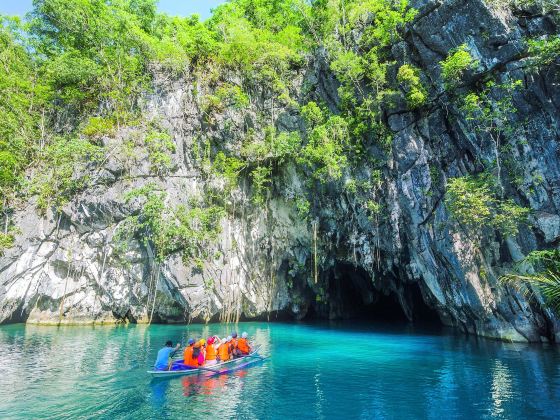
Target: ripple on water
316, 371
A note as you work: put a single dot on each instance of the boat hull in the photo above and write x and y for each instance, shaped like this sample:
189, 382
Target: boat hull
209, 369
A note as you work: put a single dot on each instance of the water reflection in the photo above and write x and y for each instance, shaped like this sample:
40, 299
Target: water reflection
158, 393
316, 371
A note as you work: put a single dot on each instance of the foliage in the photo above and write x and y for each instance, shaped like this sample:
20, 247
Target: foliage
63, 172
544, 52
474, 203
228, 167
99, 126
374, 208
456, 64
546, 278
312, 114
186, 230
160, 145
324, 151
22, 100
490, 113
261, 183
409, 77
365, 64
227, 95
303, 207
100, 57
6, 241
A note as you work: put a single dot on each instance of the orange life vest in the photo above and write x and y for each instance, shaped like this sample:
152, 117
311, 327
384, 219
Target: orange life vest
224, 352
233, 343
188, 358
211, 352
243, 346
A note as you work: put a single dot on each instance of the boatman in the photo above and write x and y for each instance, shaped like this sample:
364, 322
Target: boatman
163, 356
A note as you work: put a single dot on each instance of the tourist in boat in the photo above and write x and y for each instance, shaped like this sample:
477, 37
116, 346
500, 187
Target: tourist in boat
243, 347
163, 357
211, 352
234, 341
202, 354
224, 351
189, 358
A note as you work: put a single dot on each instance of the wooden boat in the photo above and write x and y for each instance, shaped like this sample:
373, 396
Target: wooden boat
215, 369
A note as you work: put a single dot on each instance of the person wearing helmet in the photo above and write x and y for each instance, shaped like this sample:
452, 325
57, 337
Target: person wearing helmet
211, 352
243, 347
189, 358
224, 351
163, 356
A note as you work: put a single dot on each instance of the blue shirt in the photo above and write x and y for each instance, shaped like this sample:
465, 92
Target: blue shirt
163, 355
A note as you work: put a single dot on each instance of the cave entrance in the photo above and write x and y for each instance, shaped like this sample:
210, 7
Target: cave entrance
352, 295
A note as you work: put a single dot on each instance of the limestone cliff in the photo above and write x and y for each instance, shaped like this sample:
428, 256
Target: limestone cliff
65, 268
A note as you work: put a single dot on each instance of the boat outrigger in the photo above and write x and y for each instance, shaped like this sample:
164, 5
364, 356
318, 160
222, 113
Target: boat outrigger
179, 369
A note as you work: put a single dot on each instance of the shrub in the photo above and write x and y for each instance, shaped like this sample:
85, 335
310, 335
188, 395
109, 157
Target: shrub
409, 77
6, 241
261, 182
159, 145
188, 230
473, 202
456, 63
99, 126
544, 52
64, 171
303, 206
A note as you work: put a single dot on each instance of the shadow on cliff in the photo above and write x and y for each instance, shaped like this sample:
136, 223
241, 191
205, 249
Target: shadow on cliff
351, 294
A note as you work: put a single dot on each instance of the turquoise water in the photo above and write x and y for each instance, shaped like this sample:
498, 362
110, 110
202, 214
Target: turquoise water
316, 371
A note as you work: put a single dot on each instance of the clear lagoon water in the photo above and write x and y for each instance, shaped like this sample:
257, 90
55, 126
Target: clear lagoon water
316, 371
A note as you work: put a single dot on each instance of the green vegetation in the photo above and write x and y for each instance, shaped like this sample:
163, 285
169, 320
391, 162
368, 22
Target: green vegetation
63, 172
6, 241
357, 72
160, 146
409, 77
185, 229
544, 52
544, 276
456, 64
490, 114
261, 183
475, 204
66, 83
227, 96
99, 126
328, 139
22, 97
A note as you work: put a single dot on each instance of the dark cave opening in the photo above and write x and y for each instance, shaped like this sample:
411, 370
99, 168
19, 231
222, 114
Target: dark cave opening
352, 295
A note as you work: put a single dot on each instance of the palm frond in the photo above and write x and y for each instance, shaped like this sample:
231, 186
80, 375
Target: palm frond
547, 282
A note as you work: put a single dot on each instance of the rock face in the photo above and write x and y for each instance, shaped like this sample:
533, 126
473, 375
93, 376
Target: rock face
65, 268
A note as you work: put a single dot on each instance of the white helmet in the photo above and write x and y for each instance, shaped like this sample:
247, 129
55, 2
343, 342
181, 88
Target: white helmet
244, 335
